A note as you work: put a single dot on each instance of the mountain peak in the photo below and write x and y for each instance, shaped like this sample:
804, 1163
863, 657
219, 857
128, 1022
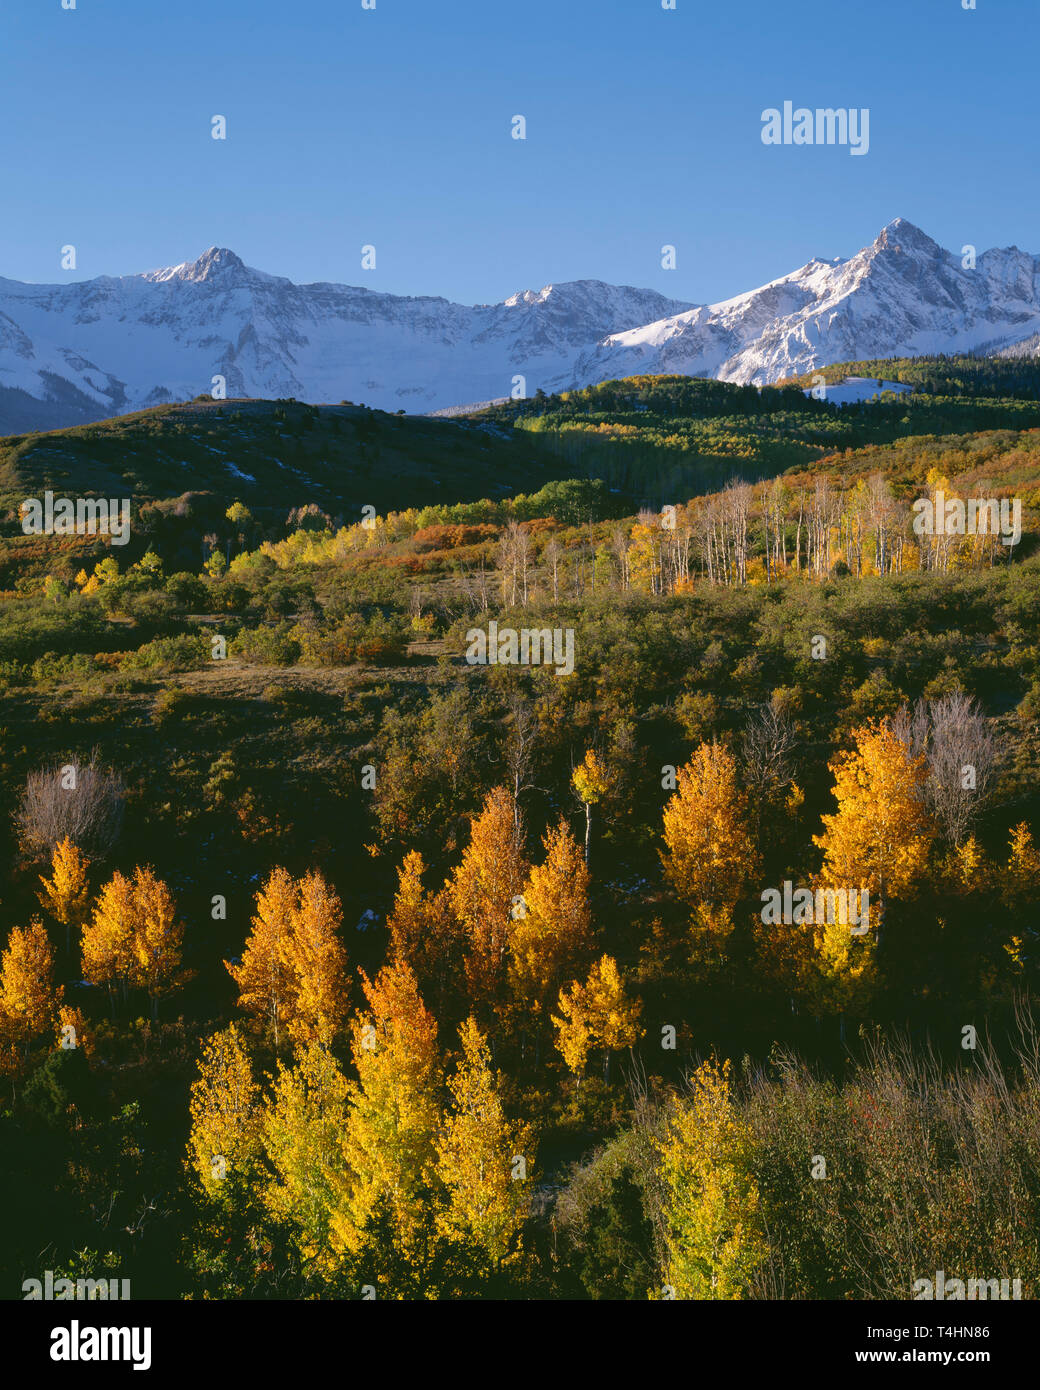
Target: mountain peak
901, 235
528, 297
218, 260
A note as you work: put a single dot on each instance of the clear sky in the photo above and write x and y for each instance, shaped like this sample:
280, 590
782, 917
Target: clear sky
392, 127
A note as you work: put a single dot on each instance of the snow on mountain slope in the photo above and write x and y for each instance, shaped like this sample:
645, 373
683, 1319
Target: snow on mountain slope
102, 347
901, 296
106, 346
854, 389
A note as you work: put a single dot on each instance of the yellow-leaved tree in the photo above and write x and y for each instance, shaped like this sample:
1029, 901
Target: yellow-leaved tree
424, 932
65, 893
107, 941
267, 987
302, 1126
28, 999
710, 853
485, 891
591, 781
483, 1160
394, 1112
158, 938
598, 1013
317, 962
134, 938
880, 835
1019, 882
224, 1148
714, 1232
551, 937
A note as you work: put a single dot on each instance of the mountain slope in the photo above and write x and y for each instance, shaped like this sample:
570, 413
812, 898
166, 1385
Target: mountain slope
103, 347
86, 351
901, 296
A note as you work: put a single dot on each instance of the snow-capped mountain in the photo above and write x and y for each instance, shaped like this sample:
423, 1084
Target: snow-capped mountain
107, 346
102, 347
901, 296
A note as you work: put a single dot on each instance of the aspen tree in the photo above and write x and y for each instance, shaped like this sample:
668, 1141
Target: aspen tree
107, 942
316, 960
596, 1013
880, 835
157, 939
224, 1146
266, 984
591, 781
477, 1153
28, 1001
394, 1112
65, 893
709, 850
551, 940
424, 931
302, 1127
484, 892
714, 1232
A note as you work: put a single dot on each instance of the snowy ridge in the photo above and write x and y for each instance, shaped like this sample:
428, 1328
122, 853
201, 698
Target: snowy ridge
102, 347
901, 296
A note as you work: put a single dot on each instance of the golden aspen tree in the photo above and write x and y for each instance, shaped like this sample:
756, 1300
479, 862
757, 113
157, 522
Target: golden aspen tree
483, 1161
968, 866
225, 1143
880, 835
158, 938
303, 1129
1023, 869
614, 1016
394, 1113
316, 959
573, 1036
597, 1013
267, 987
65, 893
714, 1233
591, 781
486, 892
72, 1032
551, 936
28, 1001
709, 853
644, 558
107, 941
424, 931
409, 920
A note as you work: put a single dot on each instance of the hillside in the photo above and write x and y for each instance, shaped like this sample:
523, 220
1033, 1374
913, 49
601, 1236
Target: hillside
650, 441
272, 697
182, 465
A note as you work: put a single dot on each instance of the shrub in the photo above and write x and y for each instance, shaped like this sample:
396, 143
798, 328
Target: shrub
83, 802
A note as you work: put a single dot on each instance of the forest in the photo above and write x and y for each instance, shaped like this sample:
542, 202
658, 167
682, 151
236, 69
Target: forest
336, 965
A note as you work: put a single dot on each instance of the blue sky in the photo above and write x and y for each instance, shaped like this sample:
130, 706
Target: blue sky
392, 127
